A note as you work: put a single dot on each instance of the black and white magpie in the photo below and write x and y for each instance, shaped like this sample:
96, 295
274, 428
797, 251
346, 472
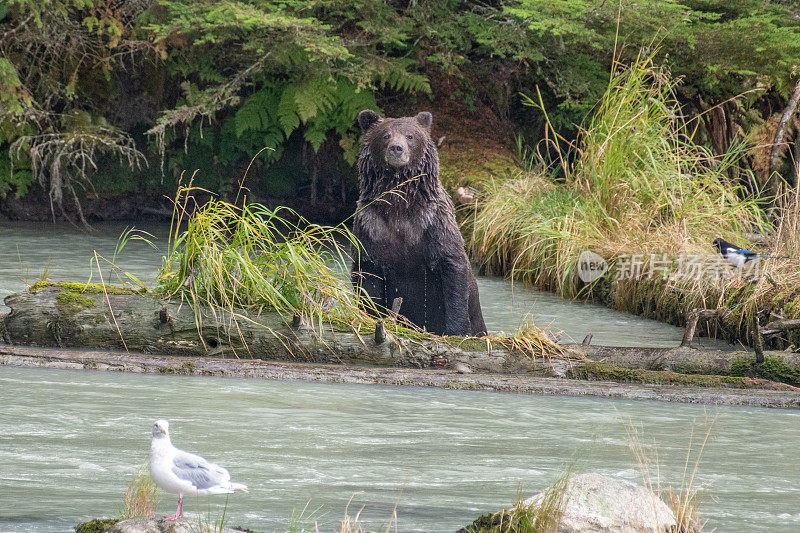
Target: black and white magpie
737, 256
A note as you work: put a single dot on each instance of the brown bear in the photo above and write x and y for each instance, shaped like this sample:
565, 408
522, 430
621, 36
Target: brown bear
406, 223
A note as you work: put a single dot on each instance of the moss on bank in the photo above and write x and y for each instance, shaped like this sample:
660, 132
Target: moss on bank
472, 166
85, 288
98, 525
774, 368
603, 371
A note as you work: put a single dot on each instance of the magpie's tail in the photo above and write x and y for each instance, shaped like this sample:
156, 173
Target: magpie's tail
768, 256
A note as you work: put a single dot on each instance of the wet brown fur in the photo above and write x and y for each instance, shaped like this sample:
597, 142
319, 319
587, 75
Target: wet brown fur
412, 247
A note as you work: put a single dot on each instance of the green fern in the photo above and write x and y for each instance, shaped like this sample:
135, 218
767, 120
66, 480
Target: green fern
315, 135
288, 118
393, 74
314, 95
257, 112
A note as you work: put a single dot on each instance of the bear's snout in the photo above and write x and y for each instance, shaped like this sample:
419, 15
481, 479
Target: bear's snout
397, 152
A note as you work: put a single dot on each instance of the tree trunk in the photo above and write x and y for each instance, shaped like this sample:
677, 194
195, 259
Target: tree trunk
777, 143
719, 130
47, 317
314, 177
796, 156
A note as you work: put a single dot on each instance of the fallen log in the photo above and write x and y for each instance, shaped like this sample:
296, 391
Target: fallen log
61, 316
781, 326
777, 396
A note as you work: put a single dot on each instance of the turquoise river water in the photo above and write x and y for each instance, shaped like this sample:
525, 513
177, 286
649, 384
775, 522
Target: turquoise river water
70, 440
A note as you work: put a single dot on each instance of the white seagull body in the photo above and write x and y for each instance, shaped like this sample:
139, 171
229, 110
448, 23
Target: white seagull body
183, 473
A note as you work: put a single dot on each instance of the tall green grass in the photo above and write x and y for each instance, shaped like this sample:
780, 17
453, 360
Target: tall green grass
635, 183
234, 257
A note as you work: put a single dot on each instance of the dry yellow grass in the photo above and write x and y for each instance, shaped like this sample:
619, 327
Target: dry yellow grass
638, 187
141, 497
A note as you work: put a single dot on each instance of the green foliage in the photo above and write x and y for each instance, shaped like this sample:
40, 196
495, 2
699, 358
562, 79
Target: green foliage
236, 76
18, 180
319, 105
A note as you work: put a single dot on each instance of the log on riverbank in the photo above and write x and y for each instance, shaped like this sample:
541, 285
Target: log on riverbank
64, 317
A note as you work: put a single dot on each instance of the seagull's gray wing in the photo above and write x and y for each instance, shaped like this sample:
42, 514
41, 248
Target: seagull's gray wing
199, 472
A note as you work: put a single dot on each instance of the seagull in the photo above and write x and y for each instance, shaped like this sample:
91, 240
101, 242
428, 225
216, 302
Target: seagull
179, 472
737, 256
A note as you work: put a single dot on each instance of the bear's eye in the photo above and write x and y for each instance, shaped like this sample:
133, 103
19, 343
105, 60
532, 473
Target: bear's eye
409, 136
386, 135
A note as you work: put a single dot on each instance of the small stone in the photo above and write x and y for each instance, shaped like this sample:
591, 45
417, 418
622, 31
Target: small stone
461, 368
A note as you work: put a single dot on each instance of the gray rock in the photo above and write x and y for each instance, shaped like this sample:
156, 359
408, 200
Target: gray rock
594, 503
154, 525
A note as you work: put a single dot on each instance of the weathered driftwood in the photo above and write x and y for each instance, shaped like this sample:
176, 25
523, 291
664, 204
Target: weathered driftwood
771, 395
781, 326
681, 359
148, 324
691, 321
50, 318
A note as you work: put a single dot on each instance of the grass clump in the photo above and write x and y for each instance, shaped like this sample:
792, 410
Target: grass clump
301, 522
141, 497
684, 499
541, 516
250, 257
633, 184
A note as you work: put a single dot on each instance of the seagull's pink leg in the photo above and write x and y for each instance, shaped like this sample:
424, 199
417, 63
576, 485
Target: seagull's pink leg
178, 513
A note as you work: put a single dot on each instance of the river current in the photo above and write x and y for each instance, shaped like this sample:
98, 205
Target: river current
70, 440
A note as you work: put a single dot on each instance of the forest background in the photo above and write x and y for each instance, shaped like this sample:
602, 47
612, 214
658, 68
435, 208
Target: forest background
104, 104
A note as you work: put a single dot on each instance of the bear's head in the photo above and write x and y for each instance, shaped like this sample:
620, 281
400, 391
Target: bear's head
397, 142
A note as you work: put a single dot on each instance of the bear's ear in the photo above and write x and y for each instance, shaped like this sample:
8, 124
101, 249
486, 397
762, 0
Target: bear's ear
426, 120
367, 118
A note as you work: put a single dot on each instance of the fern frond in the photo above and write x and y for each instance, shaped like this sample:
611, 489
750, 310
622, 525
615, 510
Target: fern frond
288, 118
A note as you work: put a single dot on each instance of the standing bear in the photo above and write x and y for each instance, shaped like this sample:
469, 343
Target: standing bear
406, 223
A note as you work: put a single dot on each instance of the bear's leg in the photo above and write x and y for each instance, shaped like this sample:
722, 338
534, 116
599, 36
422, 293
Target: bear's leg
477, 325
369, 278
455, 287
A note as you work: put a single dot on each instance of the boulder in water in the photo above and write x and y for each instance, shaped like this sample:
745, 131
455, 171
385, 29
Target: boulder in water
594, 503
